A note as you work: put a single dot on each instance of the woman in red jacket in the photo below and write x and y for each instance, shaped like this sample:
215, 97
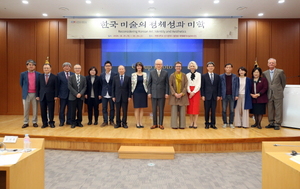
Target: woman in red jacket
259, 96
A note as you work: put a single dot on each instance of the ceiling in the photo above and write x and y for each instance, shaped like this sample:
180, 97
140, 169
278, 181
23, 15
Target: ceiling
141, 8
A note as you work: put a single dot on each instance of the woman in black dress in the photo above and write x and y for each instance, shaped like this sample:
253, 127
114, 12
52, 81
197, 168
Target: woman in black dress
139, 91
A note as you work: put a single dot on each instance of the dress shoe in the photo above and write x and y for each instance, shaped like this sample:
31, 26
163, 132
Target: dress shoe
52, 125
174, 128
104, 124
89, 123
117, 126
73, 126
44, 126
141, 126
270, 125
125, 126
35, 125
112, 123
206, 126
254, 125
276, 128
161, 127
258, 126
25, 125
68, 123
239, 126
137, 126
96, 123
61, 124
214, 127
153, 126
195, 127
191, 126
79, 125
181, 128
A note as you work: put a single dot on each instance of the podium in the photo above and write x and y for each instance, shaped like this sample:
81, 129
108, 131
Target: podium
291, 104
278, 171
28, 172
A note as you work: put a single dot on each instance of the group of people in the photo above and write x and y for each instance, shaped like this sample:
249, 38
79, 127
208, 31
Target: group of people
240, 93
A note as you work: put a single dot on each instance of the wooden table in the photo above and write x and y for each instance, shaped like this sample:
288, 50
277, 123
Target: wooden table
278, 171
28, 172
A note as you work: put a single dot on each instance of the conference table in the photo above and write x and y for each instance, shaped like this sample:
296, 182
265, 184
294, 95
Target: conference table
28, 172
278, 170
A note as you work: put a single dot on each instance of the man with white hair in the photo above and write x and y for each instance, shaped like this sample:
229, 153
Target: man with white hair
276, 80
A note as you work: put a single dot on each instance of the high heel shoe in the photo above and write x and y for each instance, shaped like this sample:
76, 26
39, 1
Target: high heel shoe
137, 126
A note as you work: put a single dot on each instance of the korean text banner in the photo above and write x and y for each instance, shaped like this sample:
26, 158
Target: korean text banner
153, 28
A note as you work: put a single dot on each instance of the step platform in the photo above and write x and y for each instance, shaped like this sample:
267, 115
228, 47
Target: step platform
146, 152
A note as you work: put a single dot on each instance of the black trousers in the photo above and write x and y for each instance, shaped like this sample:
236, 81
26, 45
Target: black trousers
76, 111
158, 103
93, 107
105, 102
124, 106
47, 106
64, 103
210, 109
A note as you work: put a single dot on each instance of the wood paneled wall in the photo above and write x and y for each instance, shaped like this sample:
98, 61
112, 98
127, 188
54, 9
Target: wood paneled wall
23, 39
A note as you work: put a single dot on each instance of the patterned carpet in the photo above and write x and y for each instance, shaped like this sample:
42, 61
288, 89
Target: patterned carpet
93, 170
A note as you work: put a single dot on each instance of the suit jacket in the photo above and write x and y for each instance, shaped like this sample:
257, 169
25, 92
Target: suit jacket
277, 85
158, 87
121, 92
235, 86
63, 91
72, 85
47, 91
262, 89
24, 82
183, 101
210, 90
95, 86
106, 86
134, 77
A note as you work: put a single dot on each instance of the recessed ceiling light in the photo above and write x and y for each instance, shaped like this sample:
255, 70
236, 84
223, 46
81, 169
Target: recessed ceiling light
88, 2
150, 1
216, 1
205, 14
281, 1
25, 2
260, 14
44, 14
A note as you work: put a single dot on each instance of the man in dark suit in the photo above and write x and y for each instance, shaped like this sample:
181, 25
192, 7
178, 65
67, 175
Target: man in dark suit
277, 81
158, 91
121, 95
77, 87
211, 93
106, 80
47, 92
63, 93
28, 82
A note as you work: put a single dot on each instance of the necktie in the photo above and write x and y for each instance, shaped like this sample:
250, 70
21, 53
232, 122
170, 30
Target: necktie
271, 74
122, 80
78, 82
47, 78
158, 73
211, 78
67, 75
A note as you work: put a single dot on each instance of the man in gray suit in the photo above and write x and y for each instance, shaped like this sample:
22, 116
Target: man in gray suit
158, 91
276, 80
77, 87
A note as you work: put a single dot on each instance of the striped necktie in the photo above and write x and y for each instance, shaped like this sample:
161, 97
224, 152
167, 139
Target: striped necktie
78, 81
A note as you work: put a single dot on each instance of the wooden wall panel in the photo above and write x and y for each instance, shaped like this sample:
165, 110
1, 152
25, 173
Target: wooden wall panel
21, 37
263, 43
211, 53
235, 50
4, 68
285, 47
54, 47
251, 46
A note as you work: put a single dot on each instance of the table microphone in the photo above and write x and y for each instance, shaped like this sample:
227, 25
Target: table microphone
286, 145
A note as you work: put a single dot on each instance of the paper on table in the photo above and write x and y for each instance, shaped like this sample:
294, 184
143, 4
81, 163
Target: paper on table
9, 159
296, 159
